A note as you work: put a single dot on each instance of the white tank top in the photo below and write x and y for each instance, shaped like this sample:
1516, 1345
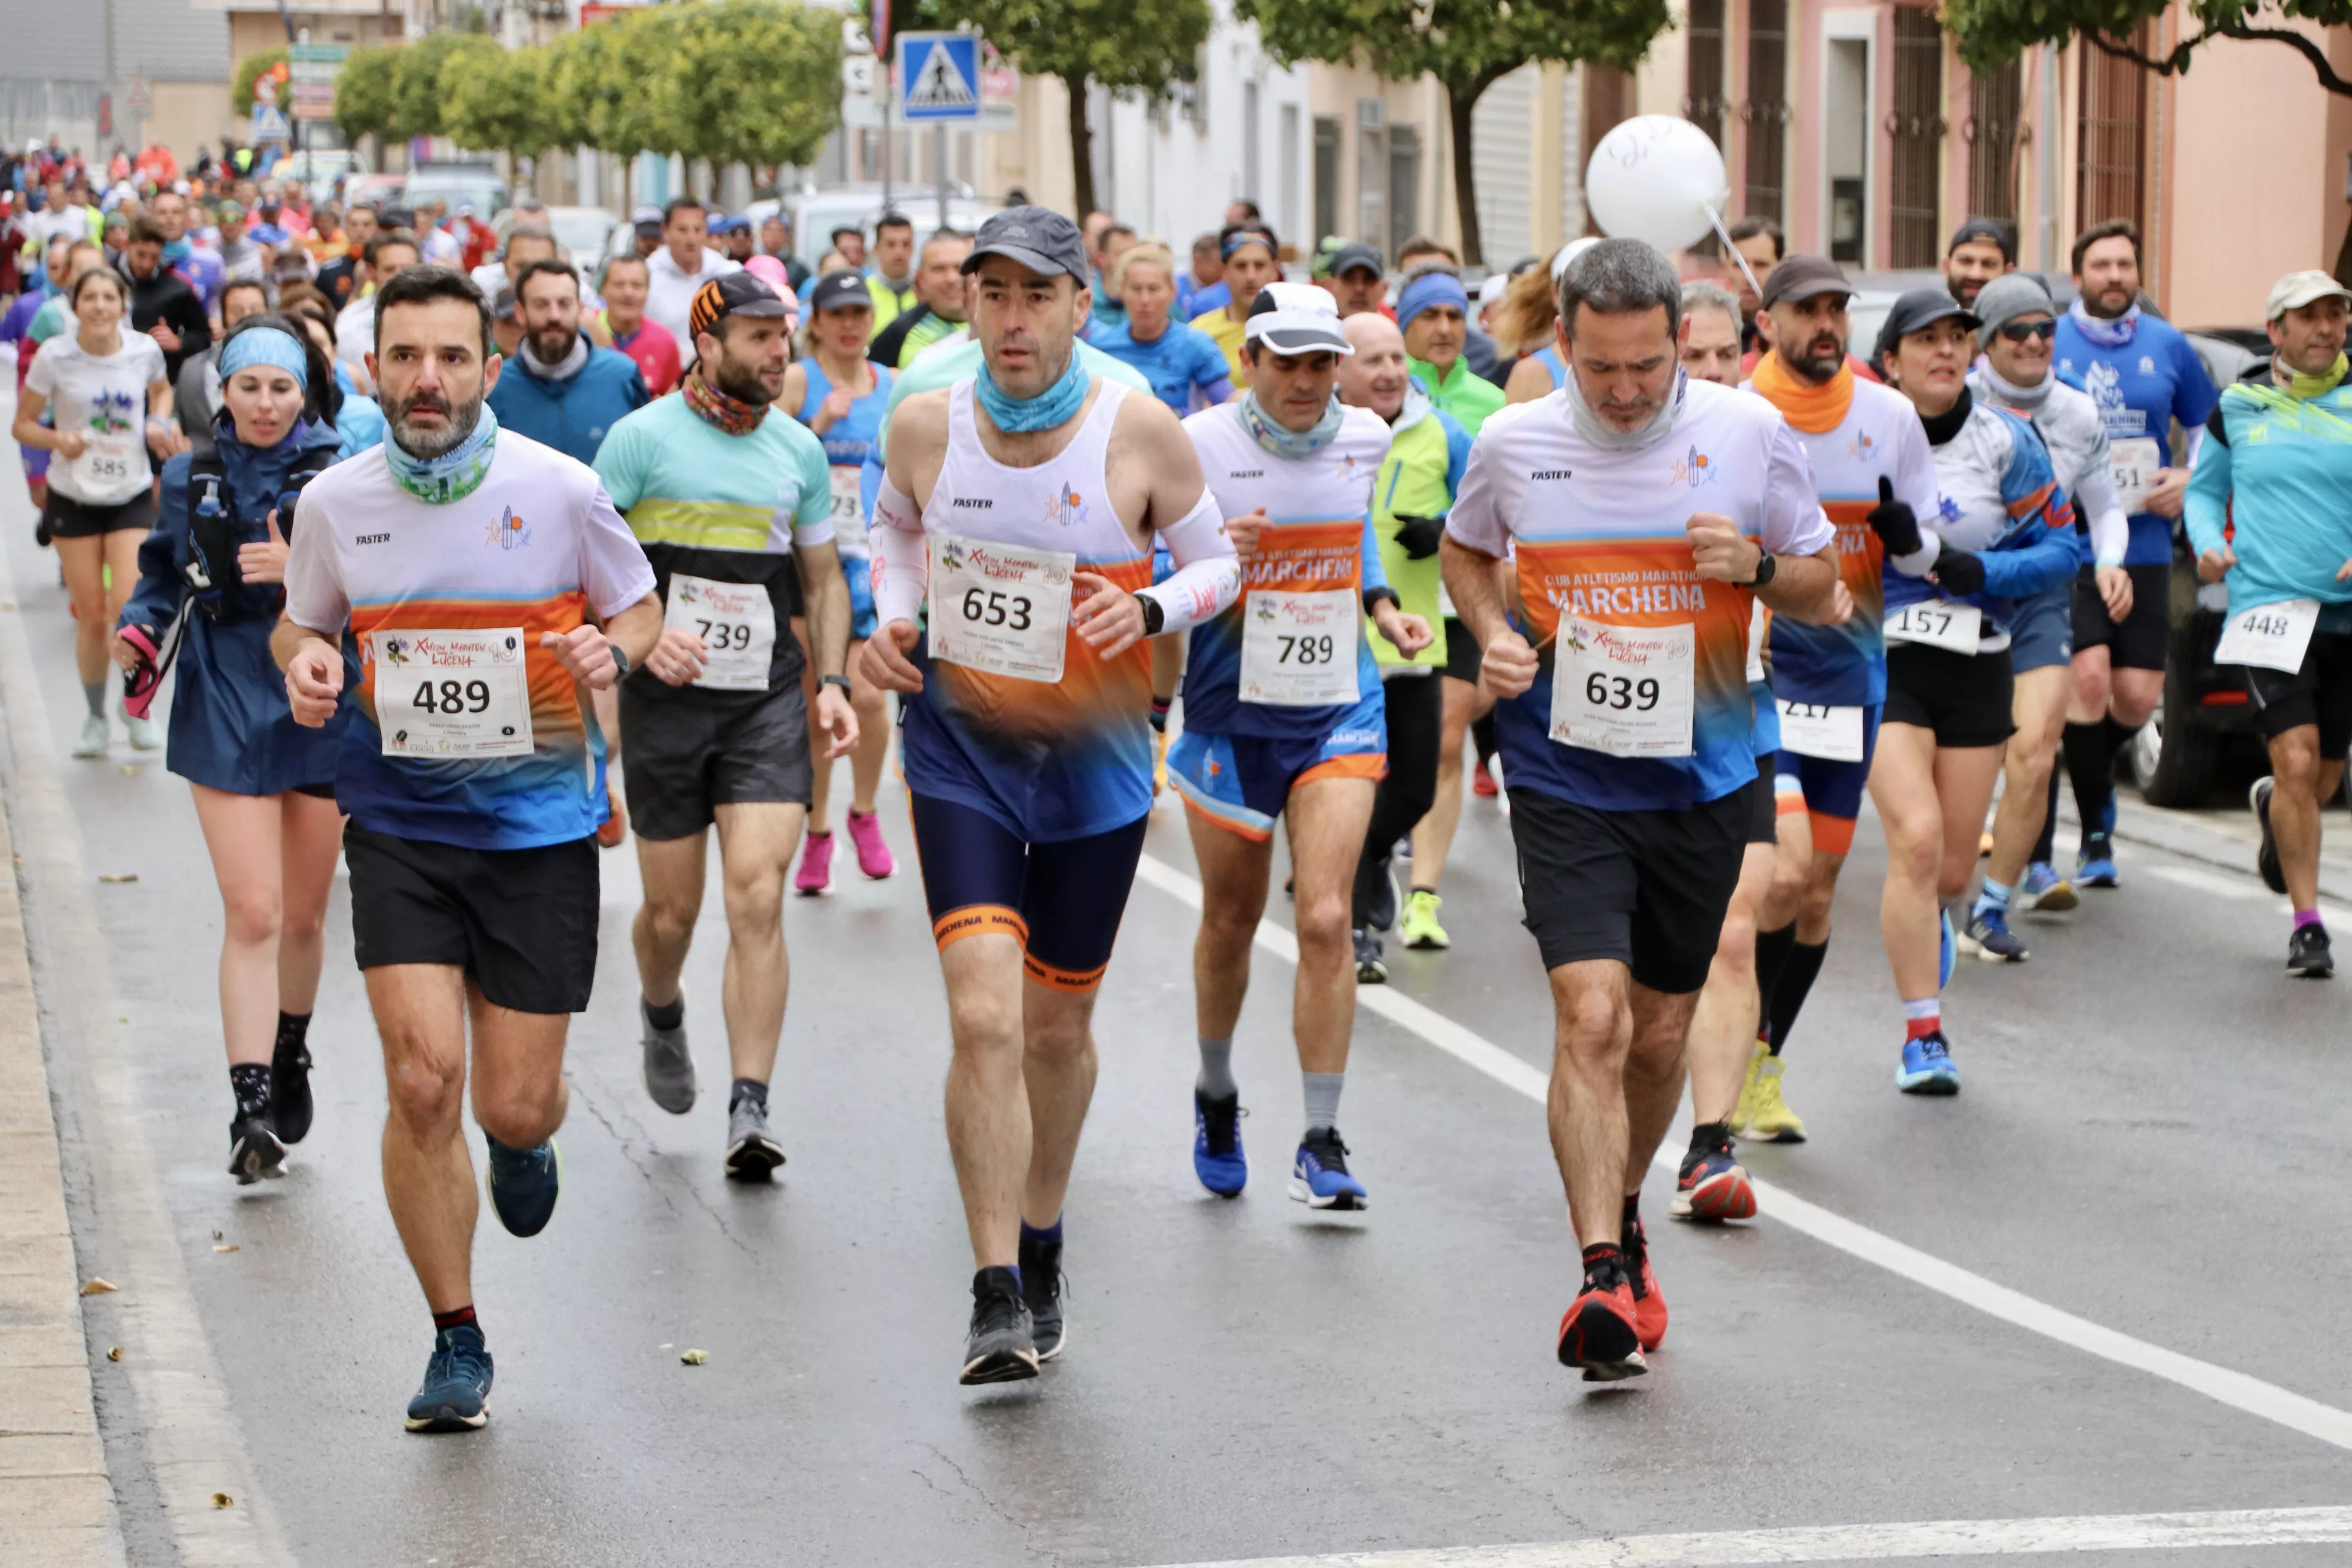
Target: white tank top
1063, 503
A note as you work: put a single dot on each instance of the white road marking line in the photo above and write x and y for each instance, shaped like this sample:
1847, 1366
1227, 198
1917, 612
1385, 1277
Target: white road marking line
2210, 883
2235, 1389
1869, 1542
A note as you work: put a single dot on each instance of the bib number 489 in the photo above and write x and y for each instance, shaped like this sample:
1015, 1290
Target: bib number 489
452, 697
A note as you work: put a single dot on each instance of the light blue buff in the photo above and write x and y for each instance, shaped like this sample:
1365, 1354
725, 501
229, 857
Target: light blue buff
452, 476
1054, 405
1283, 441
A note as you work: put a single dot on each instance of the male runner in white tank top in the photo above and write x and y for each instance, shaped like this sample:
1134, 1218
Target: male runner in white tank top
1019, 508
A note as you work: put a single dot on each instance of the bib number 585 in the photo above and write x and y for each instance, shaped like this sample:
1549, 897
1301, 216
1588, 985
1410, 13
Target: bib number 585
995, 607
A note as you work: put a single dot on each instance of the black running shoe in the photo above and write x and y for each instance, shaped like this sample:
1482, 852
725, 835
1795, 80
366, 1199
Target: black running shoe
2266, 858
1000, 1347
456, 1394
1041, 1293
1371, 966
290, 1090
2307, 954
254, 1150
524, 1183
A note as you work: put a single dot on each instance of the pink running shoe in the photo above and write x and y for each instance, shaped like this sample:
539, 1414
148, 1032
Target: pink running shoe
873, 855
817, 865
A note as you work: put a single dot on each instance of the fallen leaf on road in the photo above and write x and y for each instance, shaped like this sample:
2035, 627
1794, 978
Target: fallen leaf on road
222, 1499
117, 875
114, 1354
695, 1358
223, 1246
98, 1288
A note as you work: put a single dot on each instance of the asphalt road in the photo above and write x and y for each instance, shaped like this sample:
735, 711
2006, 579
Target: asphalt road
2150, 1114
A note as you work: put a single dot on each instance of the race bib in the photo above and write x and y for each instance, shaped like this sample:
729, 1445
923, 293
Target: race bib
2271, 635
108, 465
1000, 608
1818, 730
1298, 650
736, 622
1938, 623
1625, 691
848, 510
2132, 461
451, 694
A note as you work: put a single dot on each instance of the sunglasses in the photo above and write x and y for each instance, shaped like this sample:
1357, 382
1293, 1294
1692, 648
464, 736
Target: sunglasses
2018, 332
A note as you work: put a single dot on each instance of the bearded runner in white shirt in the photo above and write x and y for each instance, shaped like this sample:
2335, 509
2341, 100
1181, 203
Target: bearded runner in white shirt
1646, 514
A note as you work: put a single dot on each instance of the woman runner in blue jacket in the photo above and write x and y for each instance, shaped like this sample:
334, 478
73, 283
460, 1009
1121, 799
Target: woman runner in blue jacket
264, 786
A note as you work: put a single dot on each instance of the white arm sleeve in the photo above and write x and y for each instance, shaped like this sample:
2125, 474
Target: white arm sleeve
901, 556
1208, 573
2096, 500
2192, 440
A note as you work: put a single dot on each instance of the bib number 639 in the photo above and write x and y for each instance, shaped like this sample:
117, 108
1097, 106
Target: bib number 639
1621, 693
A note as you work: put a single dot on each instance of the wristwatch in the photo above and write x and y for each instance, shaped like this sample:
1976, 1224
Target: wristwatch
620, 661
1373, 597
1155, 615
1767, 566
840, 680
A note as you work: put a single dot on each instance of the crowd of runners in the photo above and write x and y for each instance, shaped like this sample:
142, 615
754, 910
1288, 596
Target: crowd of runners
415, 547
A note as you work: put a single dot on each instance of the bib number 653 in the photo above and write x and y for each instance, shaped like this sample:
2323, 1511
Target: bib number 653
995, 607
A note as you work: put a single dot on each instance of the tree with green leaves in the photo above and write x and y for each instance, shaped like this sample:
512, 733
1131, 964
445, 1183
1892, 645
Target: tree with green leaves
1993, 32
250, 70
364, 103
751, 81
504, 99
421, 82
1139, 44
1467, 45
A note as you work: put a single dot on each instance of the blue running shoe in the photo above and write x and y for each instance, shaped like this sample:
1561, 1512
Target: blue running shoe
455, 1394
1990, 939
1319, 1179
2045, 891
523, 1184
1217, 1156
1945, 955
1927, 1067
2095, 867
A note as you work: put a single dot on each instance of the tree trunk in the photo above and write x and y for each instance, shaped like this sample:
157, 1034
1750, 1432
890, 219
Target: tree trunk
2344, 256
1459, 102
1082, 147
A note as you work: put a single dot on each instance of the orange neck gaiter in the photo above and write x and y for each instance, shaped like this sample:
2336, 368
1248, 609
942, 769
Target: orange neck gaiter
1815, 410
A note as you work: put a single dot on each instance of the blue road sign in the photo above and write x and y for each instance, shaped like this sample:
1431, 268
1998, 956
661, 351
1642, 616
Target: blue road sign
939, 76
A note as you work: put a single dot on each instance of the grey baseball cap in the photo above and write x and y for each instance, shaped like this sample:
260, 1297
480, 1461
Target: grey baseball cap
1039, 238
2008, 297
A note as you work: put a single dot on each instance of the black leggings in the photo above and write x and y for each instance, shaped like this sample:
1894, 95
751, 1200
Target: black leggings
1415, 708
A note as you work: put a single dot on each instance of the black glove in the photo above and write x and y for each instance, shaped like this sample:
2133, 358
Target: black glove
1894, 521
1419, 536
1958, 572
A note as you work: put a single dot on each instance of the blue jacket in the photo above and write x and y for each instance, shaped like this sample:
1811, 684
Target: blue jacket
231, 729
572, 414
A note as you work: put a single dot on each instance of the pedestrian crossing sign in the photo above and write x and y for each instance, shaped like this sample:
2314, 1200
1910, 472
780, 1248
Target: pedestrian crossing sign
939, 76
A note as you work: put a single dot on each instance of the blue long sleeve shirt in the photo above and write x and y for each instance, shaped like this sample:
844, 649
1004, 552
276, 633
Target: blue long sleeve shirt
2280, 468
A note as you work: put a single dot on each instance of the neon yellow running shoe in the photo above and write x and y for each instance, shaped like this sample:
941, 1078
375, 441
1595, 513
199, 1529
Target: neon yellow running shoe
1419, 926
1764, 1116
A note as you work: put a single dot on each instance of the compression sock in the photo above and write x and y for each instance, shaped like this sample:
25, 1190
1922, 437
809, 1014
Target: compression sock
94, 693
249, 1082
1323, 1099
1772, 950
1994, 897
1922, 1018
460, 1318
1216, 1079
2308, 918
1629, 1220
1604, 1266
2091, 765
2045, 846
1797, 977
2119, 739
750, 1088
669, 1017
293, 1032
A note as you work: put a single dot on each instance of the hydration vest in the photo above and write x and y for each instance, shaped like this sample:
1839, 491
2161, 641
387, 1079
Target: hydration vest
215, 587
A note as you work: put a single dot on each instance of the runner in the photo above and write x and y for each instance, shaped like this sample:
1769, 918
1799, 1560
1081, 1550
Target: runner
1433, 308
621, 323
196, 395
1628, 855
1251, 258
2003, 531
890, 280
1762, 245
1980, 251
1026, 751
1411, 492
162, 305
2015, 374
387, 256
2143, 374
264, 786
678, 272
840, 395
941, 309
1184, 365
1828, 680
104, 386
728, 500
473, 873
1356, 282
562, 390
2266, 514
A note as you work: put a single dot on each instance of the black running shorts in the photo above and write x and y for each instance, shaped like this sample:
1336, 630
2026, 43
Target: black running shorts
1763, 804
521, 922
2319, 693
1464, 657
1645, 888
69, 519
2138, 641
1061, 901
685, 752
1963, 697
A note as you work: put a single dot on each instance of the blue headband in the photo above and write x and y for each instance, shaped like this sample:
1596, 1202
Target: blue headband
1430, 288
265, 345
1247, 236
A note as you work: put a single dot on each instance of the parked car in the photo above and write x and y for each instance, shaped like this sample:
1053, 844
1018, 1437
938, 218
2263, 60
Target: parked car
585, 234
318, 171
457, 184
380, 190
813, 213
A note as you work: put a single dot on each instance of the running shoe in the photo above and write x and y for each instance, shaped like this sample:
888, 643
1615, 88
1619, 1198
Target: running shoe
1649, 1301
1989, 938
1001, 1347
1947, 955
523, 1184
2266, 858
94, 738
1713, 1186
1421, 929
613, 830
668, 1068
1763, 1115
1041, 1293
1319, 1177
816, 874
1381, 914
1927, 1067
1483, 783
2095, 865
146, 735
290, 1090
1218, 1158
455, 1395
752, 1151
254, 1150
2045, 891
874, 859
1599, 1332
2307, 954
1369, 969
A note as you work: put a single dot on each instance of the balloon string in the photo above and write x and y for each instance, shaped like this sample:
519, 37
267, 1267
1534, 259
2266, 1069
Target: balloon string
1732, 251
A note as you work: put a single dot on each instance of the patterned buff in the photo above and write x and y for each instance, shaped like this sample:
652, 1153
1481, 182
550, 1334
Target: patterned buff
1052, 407
1283, 442
2108, 334
731, 414
455, 473
2310, 386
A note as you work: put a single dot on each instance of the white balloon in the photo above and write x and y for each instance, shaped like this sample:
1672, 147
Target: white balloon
1656, 177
